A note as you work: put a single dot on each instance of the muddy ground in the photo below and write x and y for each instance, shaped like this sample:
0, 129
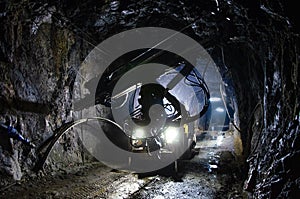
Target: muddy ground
214, 173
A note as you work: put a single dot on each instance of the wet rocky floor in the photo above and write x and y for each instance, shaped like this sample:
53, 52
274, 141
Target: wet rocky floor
214, 173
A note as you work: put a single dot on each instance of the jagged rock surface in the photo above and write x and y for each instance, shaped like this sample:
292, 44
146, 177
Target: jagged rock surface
255, 46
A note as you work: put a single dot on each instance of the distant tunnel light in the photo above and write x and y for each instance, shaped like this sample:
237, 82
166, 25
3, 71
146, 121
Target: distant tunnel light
220, 110
215, 99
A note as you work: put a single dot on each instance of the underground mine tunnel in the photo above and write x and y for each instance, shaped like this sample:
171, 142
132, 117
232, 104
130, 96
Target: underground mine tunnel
149, 99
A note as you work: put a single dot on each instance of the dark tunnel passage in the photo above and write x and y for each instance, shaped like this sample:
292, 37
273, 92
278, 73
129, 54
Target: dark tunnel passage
245, 144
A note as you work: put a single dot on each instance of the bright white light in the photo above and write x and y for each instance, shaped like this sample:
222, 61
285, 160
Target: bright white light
215, 99
220, 110
138, 133
219, 140
171, 134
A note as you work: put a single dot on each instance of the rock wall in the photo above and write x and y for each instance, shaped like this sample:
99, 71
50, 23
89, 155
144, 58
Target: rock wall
255, 45
269, 78
38, 62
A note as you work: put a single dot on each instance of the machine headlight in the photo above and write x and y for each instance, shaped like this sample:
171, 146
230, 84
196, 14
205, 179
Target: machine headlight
138, 134
171, 134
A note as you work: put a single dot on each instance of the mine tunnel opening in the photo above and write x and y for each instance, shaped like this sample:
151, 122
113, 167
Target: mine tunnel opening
254, 47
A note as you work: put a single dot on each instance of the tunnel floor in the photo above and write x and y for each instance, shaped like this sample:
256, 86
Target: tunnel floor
214, 173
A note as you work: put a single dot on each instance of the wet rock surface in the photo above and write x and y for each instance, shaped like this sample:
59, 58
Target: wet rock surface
255, 45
